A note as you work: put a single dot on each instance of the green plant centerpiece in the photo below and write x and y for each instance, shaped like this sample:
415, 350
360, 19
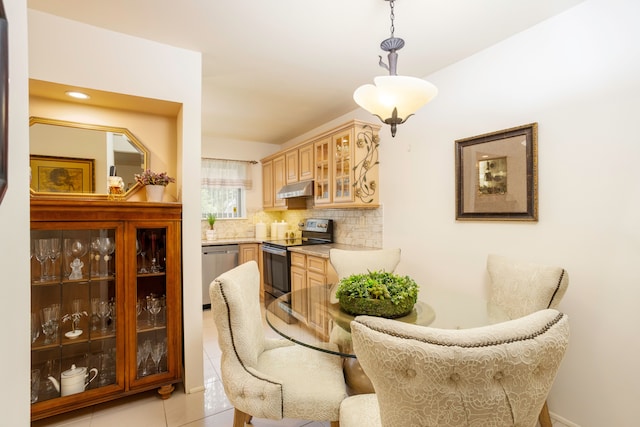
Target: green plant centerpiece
377, 293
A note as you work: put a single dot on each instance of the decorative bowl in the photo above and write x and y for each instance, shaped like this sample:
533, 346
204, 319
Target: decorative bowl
375, 307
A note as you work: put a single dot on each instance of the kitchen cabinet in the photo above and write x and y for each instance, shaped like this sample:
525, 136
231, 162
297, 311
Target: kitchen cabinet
299, 164
268, 194
305, 156
348, 160
105, 302
313, 276
249, 252
278, 180
291, 166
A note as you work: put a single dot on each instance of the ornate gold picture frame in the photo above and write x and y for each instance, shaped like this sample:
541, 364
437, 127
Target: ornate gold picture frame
497, 175
52, 174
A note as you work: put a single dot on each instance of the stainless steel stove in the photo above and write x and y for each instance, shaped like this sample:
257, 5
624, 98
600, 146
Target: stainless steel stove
277, 259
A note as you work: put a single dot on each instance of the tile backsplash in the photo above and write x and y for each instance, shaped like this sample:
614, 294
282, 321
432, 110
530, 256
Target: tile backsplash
358, 227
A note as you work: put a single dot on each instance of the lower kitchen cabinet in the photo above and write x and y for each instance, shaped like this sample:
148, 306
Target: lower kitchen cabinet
106, 303
313, 275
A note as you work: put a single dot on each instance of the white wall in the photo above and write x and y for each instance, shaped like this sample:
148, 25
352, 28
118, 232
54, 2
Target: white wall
14, 230
152, 70
577, 75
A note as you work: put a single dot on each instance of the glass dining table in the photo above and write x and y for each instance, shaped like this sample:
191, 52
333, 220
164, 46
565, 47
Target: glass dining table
314, 322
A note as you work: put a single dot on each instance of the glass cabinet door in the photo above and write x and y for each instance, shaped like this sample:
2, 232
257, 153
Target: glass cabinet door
342, 167
151, 336
74, 311
322, 178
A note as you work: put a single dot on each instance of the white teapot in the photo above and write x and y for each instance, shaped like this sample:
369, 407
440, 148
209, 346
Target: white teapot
73, 380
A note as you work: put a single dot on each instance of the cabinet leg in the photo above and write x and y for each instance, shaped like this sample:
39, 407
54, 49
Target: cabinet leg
165, 391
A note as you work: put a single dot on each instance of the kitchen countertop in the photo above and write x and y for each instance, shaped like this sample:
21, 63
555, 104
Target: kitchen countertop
234, 241
323, 250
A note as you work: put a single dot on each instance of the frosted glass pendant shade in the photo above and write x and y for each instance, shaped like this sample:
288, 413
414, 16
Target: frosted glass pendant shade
406, 94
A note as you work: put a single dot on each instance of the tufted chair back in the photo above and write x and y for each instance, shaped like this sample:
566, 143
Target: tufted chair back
347, 262
497, 375
264, 377
519, 288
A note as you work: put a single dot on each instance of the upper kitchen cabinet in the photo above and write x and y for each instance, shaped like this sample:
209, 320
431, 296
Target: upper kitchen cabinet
299, 164
342, 162
346, 167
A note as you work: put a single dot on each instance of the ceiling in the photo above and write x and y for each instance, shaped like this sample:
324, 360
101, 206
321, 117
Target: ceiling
273, 70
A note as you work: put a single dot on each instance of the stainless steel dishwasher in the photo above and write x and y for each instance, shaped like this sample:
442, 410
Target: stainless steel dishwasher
216, 259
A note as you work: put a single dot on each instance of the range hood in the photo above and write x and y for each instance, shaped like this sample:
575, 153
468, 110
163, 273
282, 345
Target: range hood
298, 189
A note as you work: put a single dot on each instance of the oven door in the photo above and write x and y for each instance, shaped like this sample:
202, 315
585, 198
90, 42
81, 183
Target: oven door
276, 266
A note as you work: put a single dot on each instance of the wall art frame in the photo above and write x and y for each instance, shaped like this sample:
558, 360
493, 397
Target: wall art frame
4, 102
51, 174
497, 175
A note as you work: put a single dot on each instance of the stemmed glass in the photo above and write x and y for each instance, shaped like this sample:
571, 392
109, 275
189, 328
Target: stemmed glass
42, 255
142, 250
77, 249
139, 308
102, 310
159, 349
106, 247
144, 351
154, 306
54, 253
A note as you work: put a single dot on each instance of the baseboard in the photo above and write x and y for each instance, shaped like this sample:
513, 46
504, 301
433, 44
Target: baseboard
564, 421
199, 389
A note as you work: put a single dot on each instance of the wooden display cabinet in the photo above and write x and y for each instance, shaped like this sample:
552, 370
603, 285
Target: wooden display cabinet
106, 299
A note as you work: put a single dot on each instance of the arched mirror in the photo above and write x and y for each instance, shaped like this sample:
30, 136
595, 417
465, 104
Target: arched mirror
76, 159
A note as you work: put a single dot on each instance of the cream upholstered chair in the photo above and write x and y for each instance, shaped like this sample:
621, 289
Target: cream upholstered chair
517, 288
269, 378
347, 263
496, 375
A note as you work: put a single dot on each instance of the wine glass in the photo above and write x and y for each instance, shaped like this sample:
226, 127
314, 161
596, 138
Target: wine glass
143, 253
35, 327
102, 310
77, 249
54, 253
154, 306
42, 255
158, 350
139, 308
106, 247
144, 353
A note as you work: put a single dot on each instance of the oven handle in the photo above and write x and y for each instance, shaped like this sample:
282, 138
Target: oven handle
275, 251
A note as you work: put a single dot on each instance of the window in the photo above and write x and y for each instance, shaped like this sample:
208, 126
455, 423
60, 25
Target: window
223, 187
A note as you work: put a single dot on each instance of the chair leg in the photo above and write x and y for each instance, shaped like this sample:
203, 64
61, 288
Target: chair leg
240, 418
544, 418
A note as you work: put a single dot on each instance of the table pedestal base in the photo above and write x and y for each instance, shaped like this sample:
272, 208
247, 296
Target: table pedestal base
357, 381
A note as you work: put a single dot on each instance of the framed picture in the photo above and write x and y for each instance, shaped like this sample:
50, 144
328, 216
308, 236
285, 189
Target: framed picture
497, 175
4, 102
62, 174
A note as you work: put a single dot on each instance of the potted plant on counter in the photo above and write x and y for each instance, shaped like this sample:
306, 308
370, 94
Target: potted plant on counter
377, 293
211, 232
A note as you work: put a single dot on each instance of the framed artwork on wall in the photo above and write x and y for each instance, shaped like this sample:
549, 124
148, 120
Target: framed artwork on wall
52, 174
4, 102
497, 175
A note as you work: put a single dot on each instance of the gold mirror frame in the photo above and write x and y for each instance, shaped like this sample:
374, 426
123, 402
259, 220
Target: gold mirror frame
84, 165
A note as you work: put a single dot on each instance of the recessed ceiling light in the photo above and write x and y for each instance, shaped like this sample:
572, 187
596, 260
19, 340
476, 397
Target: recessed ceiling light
78, 95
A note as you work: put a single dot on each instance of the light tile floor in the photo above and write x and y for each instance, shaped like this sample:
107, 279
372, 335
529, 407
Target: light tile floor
209, 408
205, 409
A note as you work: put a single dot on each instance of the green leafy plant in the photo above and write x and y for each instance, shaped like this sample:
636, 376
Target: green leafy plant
211, 219
377, 293
149, 177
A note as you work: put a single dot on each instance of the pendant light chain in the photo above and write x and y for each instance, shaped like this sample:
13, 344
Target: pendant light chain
393, 16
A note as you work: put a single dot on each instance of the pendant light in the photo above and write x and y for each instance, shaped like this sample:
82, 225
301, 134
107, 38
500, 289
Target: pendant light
393, 98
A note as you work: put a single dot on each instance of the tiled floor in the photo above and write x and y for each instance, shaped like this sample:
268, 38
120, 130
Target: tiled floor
206, 409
